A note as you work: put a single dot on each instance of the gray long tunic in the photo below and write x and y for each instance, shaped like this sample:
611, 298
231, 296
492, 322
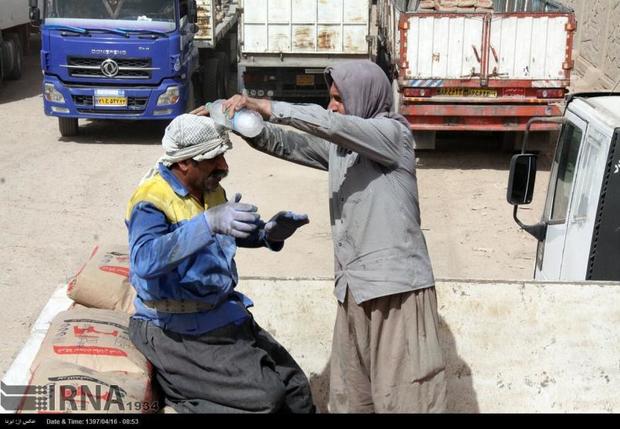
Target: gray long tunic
373, 195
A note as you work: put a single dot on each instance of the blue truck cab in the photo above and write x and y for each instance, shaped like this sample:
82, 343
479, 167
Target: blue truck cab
116, 59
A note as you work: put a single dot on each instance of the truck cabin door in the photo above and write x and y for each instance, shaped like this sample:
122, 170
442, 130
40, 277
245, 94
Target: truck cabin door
550, 252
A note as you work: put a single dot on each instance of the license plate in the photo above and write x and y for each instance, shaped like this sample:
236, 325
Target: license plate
110, 97
304, 80
468, 92
111, 101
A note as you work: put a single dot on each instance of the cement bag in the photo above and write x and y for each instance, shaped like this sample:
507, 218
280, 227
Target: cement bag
60, 387
446, 6
484, 4
427, 4
103, 282
94, 339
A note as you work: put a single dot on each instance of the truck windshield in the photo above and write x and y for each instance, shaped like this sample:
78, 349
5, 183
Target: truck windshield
141, 11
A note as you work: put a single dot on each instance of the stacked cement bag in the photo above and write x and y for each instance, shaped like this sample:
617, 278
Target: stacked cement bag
456, 5
103, 282
88, 364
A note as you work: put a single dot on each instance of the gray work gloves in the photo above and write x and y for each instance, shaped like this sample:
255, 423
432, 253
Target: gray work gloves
233, 218
283, 225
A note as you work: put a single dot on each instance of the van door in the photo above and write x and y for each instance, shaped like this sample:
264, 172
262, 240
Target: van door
605, 250
584, 204
563, 173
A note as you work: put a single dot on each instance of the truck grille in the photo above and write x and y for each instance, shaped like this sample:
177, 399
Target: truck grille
128, 68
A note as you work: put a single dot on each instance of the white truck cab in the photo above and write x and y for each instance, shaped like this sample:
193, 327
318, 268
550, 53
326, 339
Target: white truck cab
579, 233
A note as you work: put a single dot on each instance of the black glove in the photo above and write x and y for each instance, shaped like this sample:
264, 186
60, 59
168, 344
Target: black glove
283, 225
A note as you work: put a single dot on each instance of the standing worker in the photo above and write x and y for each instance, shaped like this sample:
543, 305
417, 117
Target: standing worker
386, 355
209, 354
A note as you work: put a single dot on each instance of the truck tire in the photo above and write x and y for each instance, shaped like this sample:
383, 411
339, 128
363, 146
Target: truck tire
191, 103
17, 51
223, 72
511, 141
68, 127
425, 140
6, 54
2, 65
210, 79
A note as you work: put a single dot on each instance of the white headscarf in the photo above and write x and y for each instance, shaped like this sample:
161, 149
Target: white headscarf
191, 136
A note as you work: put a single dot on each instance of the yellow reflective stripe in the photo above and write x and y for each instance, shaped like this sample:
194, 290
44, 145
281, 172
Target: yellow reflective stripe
215, 198
160, 194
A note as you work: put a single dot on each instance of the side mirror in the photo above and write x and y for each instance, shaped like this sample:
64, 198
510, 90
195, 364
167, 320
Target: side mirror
521, 189
35, 15
521, 180
192, 12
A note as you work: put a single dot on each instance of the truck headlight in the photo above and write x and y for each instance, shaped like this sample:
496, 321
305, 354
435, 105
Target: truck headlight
52, 94
171, 96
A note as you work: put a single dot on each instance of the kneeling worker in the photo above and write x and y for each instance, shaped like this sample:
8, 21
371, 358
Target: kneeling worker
209, 354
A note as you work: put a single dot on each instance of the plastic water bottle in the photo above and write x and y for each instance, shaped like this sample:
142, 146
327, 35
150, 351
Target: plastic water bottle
246, 122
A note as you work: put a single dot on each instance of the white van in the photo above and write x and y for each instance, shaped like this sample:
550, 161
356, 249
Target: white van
579, 234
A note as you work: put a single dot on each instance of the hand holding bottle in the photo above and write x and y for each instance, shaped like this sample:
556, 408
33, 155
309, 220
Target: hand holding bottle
242, 120
238, 102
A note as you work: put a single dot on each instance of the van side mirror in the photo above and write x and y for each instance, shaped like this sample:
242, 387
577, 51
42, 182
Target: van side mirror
521, 189
521, 179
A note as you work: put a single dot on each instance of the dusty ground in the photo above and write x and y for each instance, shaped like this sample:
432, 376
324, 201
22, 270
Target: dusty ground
60, 197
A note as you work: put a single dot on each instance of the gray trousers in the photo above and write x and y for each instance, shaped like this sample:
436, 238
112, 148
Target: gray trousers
386, 356
234, 369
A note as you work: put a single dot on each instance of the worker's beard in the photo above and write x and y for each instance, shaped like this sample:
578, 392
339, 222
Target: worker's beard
212, 182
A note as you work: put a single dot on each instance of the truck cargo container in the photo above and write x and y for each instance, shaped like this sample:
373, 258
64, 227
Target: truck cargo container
286, 44
473, 69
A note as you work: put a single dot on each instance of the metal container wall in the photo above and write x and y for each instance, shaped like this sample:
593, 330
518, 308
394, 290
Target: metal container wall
13, 12
521, 46
212, 13
444, 46
528, 47
305, 26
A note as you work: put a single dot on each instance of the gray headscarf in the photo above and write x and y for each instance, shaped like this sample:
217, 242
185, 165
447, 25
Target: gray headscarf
365, 89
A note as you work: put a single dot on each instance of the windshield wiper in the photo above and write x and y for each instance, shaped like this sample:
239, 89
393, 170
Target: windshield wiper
67, 28
110, 30
155, 32
86, 31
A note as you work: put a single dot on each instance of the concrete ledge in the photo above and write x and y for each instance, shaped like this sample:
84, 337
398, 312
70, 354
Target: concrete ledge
511, 346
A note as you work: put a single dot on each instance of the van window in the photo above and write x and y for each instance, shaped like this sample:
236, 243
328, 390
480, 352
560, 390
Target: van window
566, 161
588, 185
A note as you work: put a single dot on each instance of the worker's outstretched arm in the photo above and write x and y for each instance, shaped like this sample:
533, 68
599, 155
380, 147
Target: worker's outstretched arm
378, 139
155, 250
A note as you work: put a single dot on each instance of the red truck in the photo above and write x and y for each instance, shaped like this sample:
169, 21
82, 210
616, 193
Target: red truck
467, 68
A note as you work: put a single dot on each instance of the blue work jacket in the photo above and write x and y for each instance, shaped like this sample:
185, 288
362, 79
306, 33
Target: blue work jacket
175, 256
